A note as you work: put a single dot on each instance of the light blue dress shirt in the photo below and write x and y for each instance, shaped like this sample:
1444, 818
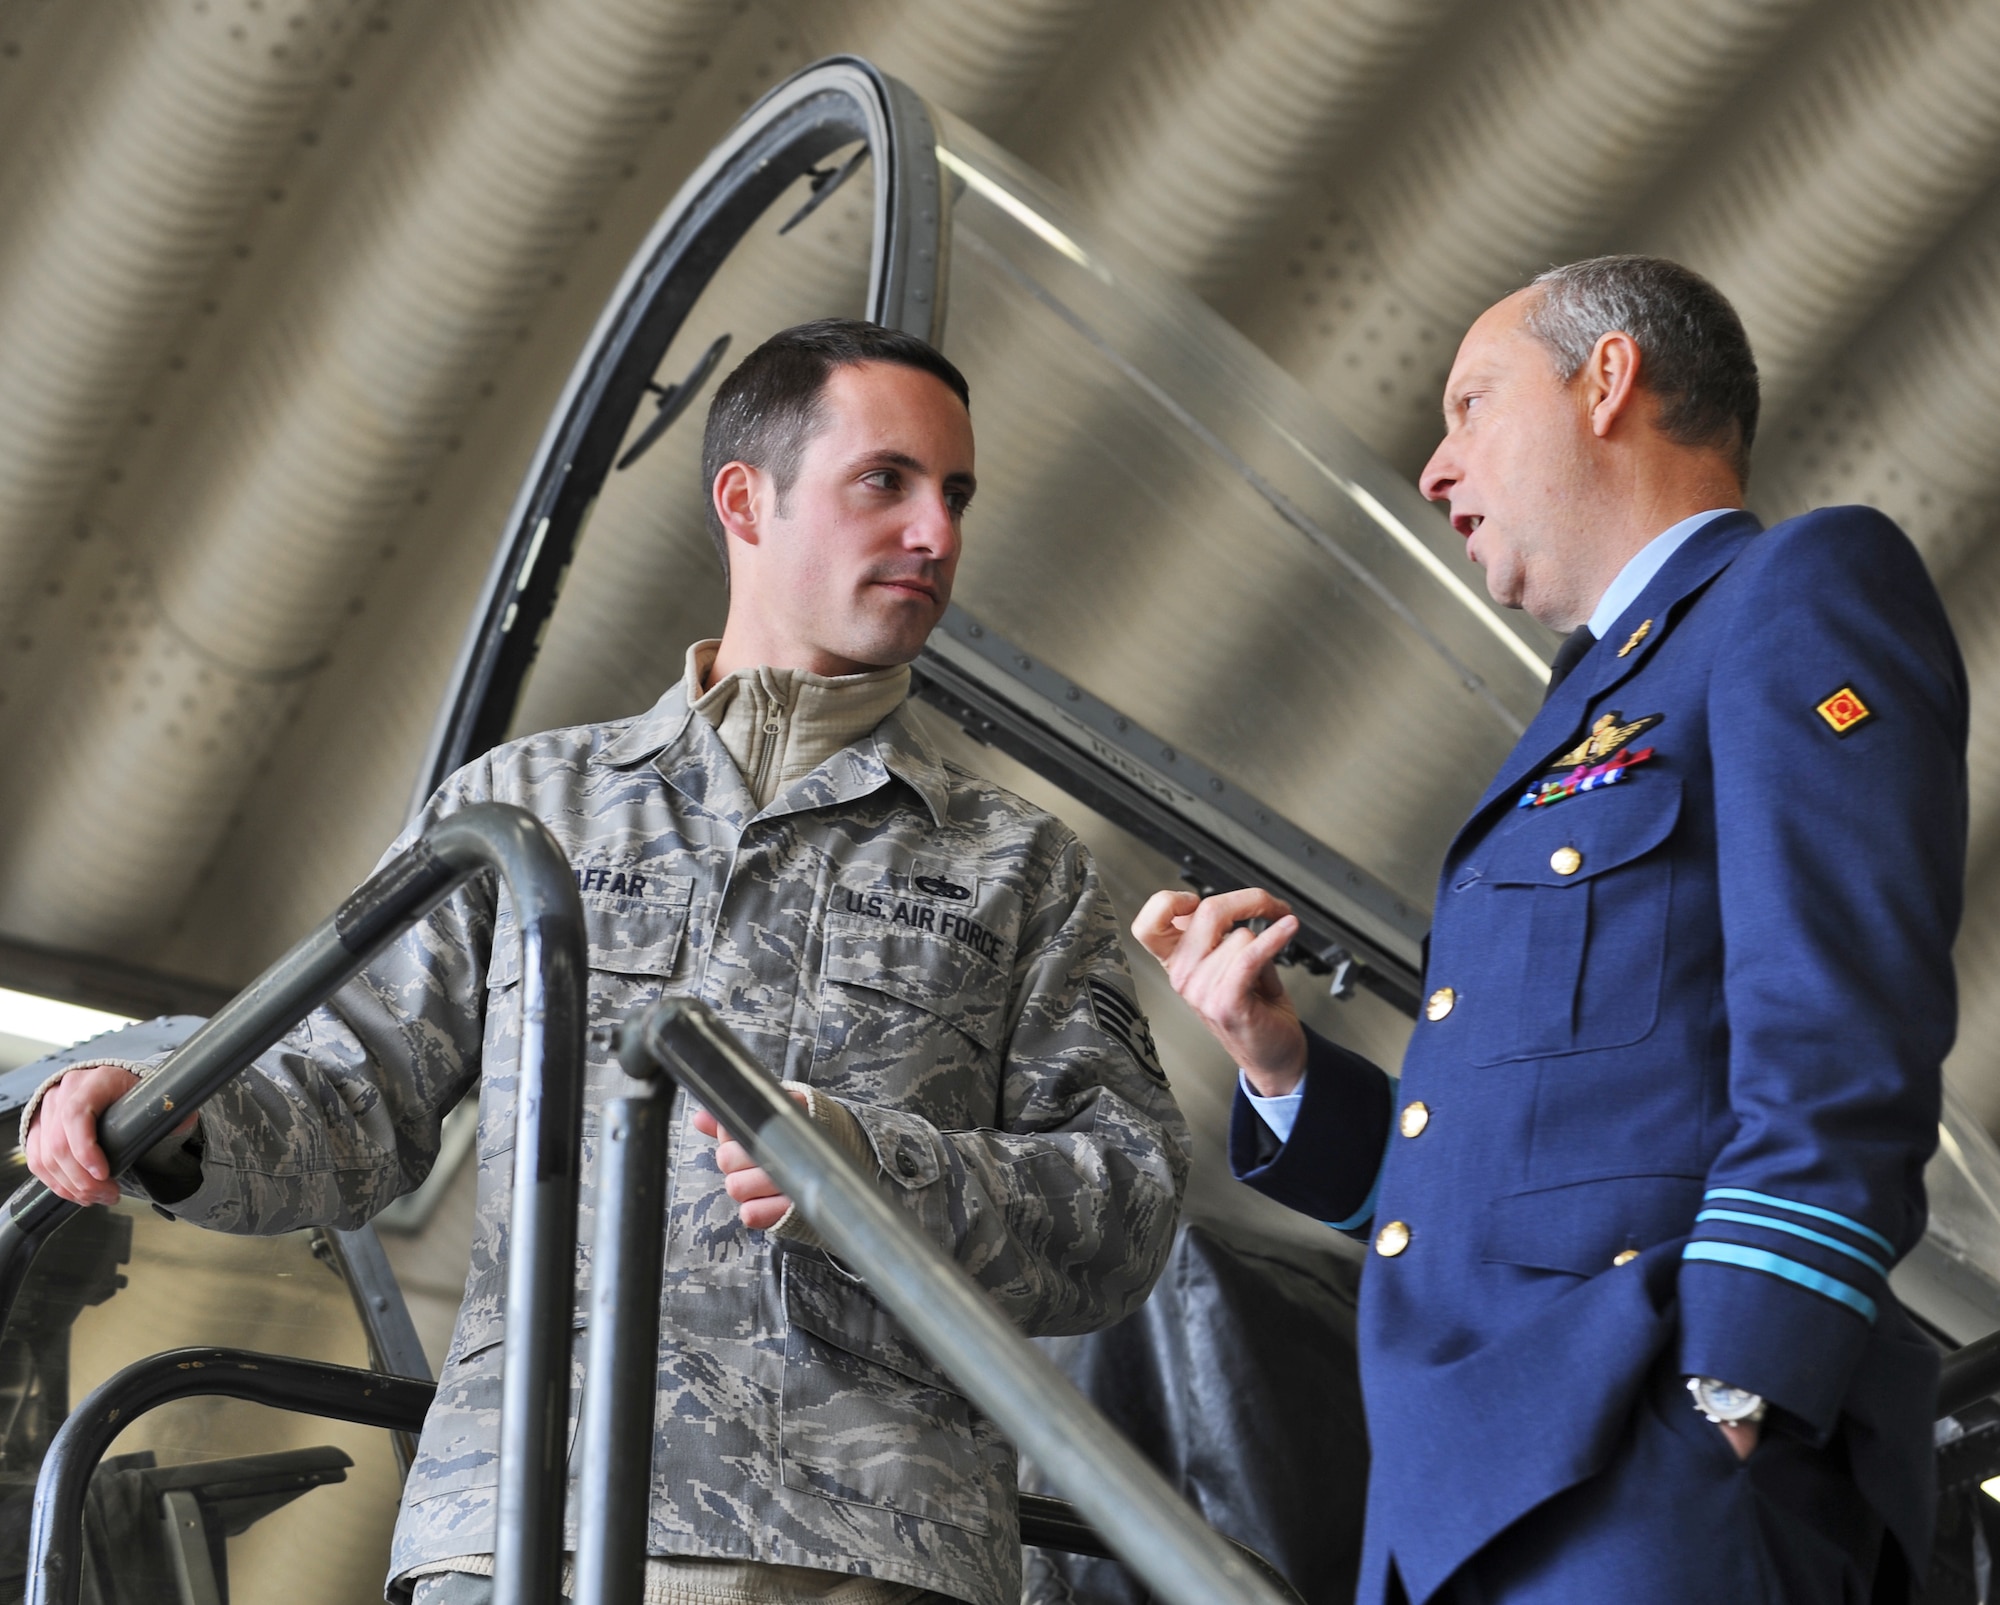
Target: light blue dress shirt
1638, 573
1280, 1114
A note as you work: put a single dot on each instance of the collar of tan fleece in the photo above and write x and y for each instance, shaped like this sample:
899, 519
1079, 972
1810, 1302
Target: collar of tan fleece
779, 725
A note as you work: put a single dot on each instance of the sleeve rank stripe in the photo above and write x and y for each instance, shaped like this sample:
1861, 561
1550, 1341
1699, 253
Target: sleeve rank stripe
1790, 1270
1744, 1195
1766, 1223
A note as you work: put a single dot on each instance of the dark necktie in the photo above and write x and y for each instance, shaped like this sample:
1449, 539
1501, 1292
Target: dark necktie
1569, 655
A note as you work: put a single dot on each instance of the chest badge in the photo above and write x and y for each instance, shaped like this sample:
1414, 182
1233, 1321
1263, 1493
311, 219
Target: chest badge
1601, 759
1845, 711
1638, 635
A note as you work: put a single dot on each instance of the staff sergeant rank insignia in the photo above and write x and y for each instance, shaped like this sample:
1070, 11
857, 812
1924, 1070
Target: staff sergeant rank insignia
1845, 710
1125, 1025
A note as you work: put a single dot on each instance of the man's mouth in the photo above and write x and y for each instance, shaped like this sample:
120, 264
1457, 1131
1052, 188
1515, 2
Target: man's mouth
1467, 524
912, 586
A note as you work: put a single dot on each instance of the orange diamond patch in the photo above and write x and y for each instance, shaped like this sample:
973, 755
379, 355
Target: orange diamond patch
1844, 710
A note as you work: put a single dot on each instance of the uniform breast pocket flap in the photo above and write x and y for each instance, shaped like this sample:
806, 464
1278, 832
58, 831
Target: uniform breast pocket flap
625, 935
1575, 842
945, 979
639, 935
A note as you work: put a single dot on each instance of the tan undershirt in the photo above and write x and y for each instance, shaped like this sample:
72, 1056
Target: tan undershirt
779, 725
782, 724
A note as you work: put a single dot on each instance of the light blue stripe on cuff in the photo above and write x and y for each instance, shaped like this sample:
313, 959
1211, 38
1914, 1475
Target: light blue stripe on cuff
1791, 1270
1811, 1236
1813, 1210
1368, 1204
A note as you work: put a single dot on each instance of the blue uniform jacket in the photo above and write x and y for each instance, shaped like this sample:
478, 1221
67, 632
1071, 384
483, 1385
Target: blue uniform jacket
1692, 988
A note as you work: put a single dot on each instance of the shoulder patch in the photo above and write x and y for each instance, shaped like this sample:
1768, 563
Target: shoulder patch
1844, 711
1124, 1024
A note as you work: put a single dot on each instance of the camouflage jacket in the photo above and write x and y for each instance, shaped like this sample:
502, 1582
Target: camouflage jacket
925, 947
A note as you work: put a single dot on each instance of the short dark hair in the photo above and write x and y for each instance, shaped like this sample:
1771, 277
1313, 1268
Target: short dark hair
1695, 356
767, 411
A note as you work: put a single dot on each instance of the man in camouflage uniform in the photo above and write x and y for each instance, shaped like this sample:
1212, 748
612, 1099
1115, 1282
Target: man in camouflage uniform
929, 962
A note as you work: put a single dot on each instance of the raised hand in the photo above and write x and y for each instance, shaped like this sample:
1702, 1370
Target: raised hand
1227, 973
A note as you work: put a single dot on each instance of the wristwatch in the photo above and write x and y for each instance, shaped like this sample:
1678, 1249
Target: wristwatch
1724, 1405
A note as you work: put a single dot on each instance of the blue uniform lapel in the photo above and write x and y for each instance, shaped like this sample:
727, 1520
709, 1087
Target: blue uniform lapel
1707, 553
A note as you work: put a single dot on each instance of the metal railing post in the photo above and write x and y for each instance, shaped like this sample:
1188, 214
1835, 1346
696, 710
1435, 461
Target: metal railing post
621, 1377
1124, 1498
541, 1269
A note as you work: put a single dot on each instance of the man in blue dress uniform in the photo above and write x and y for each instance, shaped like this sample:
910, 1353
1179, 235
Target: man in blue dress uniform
1626, 1330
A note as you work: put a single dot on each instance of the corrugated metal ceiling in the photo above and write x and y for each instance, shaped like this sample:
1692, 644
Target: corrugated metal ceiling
288, 288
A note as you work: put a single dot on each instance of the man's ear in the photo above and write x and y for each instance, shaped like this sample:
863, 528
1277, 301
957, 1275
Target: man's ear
1610, 379
738, 497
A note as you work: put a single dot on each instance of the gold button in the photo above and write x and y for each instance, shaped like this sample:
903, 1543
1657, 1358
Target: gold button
1416, 1116
1624, 1256
1440, 1003
1392, 1239
1565, 861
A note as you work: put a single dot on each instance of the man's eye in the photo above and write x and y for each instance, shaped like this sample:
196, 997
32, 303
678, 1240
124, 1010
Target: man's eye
880, 478
958, 501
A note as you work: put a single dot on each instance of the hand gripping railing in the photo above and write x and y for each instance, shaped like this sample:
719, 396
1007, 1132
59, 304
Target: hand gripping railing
1178, 1556
541, 1265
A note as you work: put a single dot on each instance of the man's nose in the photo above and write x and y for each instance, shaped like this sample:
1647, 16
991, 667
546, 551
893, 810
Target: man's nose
934, 530
1440, 473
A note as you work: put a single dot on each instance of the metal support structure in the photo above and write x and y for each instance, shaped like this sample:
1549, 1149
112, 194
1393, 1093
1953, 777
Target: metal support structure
1176, 1554
55, 1540
541, 1273
1969, 1375
621, 1377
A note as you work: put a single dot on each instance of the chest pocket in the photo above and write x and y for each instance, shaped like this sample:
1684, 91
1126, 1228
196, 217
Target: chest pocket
1573, 906
908, 1014
634, 944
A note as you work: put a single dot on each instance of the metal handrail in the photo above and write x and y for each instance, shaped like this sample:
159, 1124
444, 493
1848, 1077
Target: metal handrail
541, 1272
55, 1539
1968, 1375
1154, 1532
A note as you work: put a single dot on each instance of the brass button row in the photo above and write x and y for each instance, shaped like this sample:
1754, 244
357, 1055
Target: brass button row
1624, 1256
1565, 861
1392, 1239
1416, 1116
1440, 1003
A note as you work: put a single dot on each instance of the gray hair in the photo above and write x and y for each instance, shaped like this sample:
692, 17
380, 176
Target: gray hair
1694, 355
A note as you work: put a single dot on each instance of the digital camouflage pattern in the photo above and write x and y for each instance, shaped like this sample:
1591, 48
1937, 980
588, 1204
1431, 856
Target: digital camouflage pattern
918, 944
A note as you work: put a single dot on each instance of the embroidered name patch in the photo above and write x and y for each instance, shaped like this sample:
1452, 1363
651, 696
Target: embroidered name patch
1844, 710
1586, 777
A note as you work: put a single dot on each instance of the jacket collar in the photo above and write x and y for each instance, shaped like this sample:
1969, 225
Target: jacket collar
690, 757
1624, 648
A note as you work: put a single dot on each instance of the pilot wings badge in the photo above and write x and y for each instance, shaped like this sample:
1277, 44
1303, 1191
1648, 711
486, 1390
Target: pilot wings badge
1600, 759
1606, 737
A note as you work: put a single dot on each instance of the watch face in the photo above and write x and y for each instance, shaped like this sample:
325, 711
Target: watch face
1720, 1399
